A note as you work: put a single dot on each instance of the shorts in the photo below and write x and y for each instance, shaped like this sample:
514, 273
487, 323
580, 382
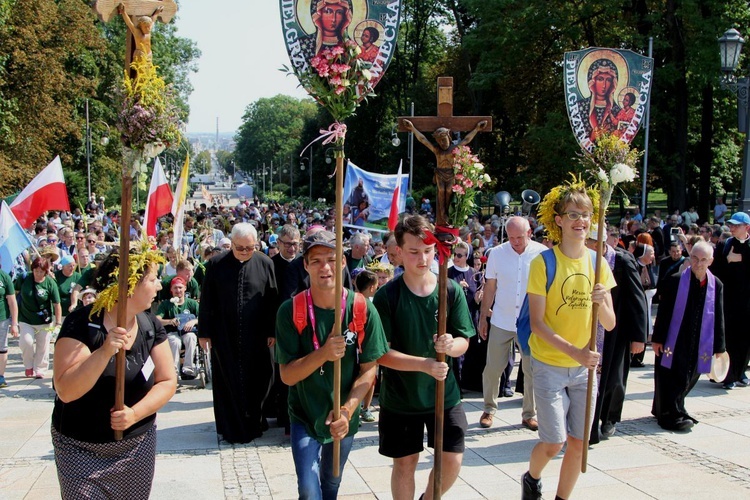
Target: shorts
560, 395
402, 435
4, 332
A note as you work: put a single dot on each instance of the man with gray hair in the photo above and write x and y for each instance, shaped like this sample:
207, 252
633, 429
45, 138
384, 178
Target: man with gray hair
239, 291
356, 256
506, 277
689, 331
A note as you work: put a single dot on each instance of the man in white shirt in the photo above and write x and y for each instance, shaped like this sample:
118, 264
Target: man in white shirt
506, 276
720, 210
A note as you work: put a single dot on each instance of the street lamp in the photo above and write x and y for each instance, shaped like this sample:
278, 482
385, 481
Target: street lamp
103, 141
730, 47
302, 167
394, 138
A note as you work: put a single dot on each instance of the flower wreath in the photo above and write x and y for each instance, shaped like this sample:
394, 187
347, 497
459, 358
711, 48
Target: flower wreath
546, 211
138, 262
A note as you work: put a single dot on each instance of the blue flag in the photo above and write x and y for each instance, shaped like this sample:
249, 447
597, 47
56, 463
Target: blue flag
13, 239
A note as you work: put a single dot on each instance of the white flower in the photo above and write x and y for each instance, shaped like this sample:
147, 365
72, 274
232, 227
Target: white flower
479, 166
486, 177
174, 300
366, 75
621, 173
602, 175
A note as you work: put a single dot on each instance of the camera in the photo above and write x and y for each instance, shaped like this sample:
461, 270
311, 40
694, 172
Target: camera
674, 230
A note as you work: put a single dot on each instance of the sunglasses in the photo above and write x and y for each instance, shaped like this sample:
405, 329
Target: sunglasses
91, 241
244, 249
460, 255
80, 238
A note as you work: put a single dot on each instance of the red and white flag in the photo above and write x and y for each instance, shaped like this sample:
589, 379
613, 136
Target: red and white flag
395, 209
45, 192
159, 201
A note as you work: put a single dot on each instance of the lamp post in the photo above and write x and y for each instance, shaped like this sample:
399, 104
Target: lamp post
104, 141
730, 47
302, 167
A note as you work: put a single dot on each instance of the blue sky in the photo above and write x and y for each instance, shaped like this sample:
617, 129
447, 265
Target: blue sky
243, 49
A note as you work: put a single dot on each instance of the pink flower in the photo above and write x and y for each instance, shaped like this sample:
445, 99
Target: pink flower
468, 183
340, 90
315, 61
336, 80
337, 50
351, 43
340, 68
323, 70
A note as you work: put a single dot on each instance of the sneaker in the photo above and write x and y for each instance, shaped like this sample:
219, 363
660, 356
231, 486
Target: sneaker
531, 488
608, 430
29, 372
485, 421
728, 386
38, 375
188, 374
507, 393
367, 416
3, 383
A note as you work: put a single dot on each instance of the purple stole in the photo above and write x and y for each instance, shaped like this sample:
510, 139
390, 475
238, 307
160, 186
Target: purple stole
706, 344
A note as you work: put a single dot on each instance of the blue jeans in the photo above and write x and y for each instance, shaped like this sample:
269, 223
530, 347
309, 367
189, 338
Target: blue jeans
313, 462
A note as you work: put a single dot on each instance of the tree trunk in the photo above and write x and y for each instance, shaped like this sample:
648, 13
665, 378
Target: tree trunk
704, 154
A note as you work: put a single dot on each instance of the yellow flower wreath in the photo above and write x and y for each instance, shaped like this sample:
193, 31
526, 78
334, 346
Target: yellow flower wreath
546, 211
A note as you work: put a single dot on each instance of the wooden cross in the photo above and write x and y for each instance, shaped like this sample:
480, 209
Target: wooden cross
446, 123
106, 10
442, 125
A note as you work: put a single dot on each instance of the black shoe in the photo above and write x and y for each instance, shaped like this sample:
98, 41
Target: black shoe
683, 425
637, 364
531, 488
729, 385
743, 382
608, 430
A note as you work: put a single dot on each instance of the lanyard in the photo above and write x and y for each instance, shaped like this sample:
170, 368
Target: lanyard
311, 313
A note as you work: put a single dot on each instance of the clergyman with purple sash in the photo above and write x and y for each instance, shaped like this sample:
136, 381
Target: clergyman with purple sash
689, 330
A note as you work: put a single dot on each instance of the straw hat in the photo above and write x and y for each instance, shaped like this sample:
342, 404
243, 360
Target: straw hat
50, 252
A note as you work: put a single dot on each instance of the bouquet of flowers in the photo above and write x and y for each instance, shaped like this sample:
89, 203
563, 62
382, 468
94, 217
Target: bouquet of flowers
148, 119
470, 179
337, 78
611, 163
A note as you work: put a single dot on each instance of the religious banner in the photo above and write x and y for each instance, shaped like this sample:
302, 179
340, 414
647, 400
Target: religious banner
370, 27
368, 198
607, 92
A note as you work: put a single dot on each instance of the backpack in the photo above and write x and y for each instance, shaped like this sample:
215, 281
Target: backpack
357, 324
523, 322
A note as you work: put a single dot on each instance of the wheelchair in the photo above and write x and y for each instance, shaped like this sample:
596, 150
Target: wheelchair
203, 365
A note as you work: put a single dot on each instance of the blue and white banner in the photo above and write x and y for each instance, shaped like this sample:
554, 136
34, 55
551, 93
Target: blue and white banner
13, 239
367, 198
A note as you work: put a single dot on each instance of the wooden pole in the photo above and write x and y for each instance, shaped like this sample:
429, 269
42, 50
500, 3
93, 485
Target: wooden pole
339, 286
592, 340
437, 470
122, 283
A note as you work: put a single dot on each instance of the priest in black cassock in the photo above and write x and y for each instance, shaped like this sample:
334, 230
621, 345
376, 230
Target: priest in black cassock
689, 330
628, 337
238, 307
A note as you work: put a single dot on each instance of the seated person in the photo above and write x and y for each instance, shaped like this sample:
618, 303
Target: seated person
179, 315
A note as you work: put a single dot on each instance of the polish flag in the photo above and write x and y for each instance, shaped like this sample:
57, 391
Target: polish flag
45, 192
159, 201
393, 215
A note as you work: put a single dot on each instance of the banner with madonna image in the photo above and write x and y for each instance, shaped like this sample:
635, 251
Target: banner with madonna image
368, 197
607, 92
316, 27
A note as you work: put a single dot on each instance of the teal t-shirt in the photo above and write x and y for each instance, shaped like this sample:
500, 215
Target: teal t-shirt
311, 399
65, 286
6, 288
414, 392
35, 306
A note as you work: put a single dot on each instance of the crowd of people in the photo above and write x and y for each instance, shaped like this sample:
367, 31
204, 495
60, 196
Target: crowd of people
253, 284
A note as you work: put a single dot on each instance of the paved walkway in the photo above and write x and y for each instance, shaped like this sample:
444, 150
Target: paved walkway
641, 461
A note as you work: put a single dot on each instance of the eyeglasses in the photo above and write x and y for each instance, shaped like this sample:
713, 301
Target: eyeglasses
459, 255
80, 238
289, 244
243, 249
51, 240
576, 215
91, 241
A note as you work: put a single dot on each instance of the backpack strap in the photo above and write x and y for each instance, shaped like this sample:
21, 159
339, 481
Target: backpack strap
359, 318
299, 312
550, 265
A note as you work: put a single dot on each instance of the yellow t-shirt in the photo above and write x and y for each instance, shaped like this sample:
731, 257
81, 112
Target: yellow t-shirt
568, 309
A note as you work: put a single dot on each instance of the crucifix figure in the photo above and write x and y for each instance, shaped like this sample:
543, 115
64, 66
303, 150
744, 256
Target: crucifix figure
139, 44
441, 126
